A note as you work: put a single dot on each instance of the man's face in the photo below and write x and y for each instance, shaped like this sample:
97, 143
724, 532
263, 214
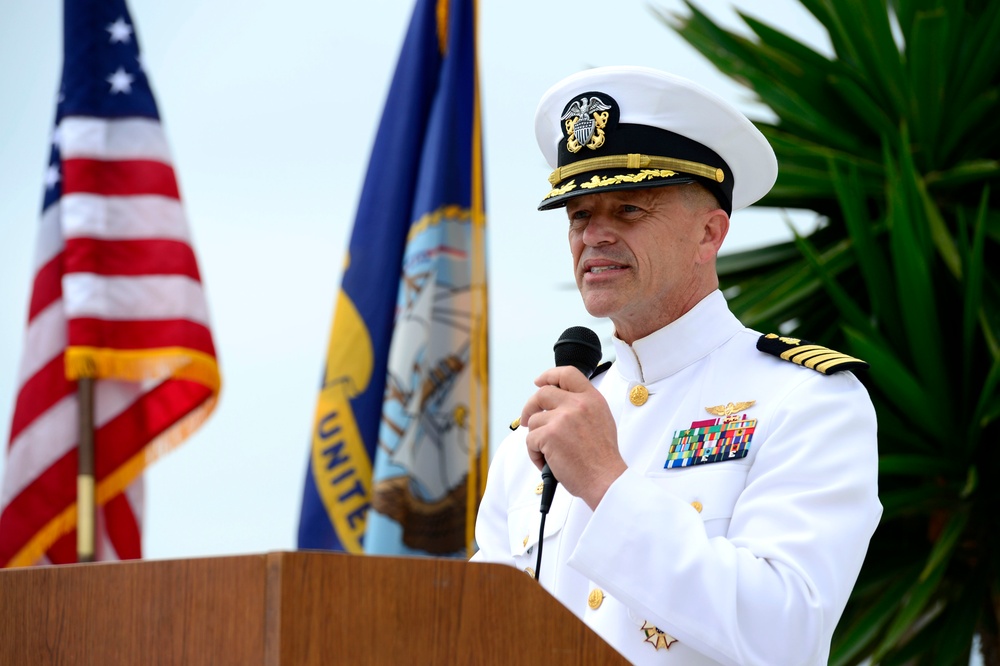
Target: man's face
644, 257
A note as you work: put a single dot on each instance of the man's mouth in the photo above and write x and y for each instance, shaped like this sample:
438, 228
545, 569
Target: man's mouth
604, 268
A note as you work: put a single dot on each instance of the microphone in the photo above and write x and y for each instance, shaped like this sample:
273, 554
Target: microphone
579, 347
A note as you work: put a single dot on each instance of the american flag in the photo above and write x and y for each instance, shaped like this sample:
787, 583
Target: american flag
117, 296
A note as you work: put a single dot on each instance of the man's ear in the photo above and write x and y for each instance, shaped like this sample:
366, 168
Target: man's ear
716, 225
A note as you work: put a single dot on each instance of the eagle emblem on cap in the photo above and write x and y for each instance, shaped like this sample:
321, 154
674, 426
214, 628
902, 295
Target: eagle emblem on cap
585, 120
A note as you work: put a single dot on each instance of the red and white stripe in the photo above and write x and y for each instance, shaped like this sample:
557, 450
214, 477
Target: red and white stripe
116, 284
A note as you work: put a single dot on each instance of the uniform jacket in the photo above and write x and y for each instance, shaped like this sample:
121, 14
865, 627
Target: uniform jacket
741, 549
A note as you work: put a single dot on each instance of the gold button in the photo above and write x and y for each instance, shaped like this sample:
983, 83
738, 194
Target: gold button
697, 506
529, 571
595, 599
638, 395
539, 488
525, 542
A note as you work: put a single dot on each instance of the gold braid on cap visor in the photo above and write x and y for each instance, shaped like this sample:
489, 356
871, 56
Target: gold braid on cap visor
635, 161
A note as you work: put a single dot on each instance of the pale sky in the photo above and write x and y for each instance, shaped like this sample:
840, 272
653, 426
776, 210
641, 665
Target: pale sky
270, 109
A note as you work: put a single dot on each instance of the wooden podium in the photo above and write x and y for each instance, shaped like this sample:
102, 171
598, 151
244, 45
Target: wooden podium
280, 609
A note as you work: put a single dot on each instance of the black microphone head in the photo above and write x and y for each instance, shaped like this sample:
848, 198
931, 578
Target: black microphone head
580, 347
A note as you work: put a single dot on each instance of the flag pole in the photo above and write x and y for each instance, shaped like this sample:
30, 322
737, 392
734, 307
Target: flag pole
86, 510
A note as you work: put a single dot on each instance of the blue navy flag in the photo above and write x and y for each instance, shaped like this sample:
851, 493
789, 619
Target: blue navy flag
399, 445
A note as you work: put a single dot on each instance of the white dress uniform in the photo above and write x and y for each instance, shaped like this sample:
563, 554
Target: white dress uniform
736, 535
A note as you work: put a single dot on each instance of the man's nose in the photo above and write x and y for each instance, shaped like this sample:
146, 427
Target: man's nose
599, 230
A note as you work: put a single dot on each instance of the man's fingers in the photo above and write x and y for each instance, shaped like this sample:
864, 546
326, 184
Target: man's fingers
544, 399
537, 458
565, 377
554, 385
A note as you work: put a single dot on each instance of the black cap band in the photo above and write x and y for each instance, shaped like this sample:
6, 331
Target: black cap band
625, 141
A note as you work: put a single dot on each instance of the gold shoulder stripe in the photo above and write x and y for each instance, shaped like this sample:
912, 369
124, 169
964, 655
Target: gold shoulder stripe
800, 353
808, 354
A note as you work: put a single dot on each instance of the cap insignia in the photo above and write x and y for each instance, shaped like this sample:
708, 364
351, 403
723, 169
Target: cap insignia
585, 121
658, 639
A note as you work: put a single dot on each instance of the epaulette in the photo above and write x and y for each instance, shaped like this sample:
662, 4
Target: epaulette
816, 357
603, 367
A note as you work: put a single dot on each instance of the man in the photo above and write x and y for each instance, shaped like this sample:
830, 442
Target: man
717, 487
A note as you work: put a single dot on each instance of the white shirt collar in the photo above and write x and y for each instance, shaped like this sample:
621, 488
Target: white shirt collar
704, 328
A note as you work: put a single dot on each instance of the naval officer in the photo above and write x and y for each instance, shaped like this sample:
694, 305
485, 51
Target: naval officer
717, 487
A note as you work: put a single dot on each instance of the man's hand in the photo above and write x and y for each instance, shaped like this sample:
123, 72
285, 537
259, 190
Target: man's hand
571, 428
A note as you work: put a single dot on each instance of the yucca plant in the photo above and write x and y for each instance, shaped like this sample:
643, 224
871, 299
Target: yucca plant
894, 143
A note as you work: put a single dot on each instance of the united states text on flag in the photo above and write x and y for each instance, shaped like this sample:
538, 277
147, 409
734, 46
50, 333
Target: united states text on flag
117, 297
399, 446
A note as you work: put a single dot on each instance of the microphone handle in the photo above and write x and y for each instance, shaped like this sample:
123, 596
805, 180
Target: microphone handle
581, 348
549, 483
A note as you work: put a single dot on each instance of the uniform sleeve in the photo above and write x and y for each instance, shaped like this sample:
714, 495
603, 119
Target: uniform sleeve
491, 521
772, 590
